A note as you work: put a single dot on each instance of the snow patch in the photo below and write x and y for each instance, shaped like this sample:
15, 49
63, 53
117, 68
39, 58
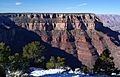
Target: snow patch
46, 72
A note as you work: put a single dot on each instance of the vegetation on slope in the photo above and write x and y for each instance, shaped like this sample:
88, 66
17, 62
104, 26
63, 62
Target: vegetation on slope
32, 57
104, 64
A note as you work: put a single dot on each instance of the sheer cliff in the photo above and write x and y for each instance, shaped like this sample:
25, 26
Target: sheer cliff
81, 34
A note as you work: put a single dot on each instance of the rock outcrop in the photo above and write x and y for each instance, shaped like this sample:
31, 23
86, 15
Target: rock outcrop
82, 34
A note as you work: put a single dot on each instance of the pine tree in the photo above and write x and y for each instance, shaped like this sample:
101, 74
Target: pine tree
55, 63
4, 54
33, 50
32, 53
84, 69
4, 60
60, 62
51, 64
16, 62
104, 64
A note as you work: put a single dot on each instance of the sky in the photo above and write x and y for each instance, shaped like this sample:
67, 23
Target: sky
60, 6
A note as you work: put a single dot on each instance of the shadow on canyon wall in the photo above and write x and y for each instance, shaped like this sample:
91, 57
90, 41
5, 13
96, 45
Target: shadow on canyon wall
17, 37
114, 36
93, 50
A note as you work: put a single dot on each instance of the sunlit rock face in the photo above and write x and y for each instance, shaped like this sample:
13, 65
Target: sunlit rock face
111, 21
81, 34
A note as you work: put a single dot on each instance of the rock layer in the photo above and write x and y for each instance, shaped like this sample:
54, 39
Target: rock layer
81, 34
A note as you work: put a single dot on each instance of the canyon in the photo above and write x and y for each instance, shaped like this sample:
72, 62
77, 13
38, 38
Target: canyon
83, 35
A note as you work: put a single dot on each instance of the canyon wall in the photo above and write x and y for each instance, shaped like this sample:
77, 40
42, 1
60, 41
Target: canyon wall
81, 34
111, 21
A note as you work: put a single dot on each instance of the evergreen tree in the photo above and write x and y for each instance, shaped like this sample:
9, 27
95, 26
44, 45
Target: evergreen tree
4, 60
31, 56
84, 69
16, 62
104, 64
51, 63
4, 54
55, 63
32, 53
40, 62
33, 50
60, 62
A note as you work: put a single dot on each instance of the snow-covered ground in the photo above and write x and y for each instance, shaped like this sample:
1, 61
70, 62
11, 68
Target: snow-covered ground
46, 72
59, 73
38, 72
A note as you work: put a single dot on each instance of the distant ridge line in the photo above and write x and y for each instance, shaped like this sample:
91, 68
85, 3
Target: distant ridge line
46, 13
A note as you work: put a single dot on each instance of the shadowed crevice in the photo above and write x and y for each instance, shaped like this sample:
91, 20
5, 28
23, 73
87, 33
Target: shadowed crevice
93, 50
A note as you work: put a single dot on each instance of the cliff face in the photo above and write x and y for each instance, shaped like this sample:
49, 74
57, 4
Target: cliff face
111, 21
82, 35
